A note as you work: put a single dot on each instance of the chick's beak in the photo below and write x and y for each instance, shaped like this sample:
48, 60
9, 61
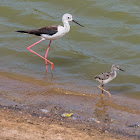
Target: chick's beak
121, 69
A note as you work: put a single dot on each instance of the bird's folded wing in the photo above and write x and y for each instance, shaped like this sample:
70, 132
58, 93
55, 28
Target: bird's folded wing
45, 30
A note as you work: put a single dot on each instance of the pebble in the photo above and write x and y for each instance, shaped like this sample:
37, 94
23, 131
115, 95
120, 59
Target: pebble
29, 121
44, 110
119, 115
106, 131
95, 120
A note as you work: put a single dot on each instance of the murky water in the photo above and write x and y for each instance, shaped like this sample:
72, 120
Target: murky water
111, 35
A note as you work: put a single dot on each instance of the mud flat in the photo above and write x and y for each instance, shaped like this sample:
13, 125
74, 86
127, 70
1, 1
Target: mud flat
31, 109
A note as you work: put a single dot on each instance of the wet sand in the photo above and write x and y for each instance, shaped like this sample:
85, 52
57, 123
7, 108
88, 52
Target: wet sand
31, 109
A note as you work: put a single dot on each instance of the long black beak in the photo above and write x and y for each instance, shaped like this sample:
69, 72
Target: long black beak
121, 70
77, 23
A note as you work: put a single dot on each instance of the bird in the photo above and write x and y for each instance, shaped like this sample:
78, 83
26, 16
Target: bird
106, 77
50, 33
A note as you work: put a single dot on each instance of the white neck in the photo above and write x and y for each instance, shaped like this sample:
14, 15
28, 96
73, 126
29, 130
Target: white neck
66, 25
114, 73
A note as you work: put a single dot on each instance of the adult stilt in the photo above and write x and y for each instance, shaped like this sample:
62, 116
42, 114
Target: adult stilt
51, 33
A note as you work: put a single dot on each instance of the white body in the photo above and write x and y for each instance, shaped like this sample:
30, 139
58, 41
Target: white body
62, 30
109, 79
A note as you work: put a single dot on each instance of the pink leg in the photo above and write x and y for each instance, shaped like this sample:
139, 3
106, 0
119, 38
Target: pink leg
47, 54
104, 90
38, 54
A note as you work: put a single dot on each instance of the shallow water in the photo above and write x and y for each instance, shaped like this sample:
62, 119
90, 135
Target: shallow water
111, 35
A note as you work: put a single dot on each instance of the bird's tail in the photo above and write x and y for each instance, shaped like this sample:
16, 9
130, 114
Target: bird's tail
96, 77
25, 32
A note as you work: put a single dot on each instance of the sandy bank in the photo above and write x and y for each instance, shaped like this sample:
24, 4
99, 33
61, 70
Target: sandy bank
21, 115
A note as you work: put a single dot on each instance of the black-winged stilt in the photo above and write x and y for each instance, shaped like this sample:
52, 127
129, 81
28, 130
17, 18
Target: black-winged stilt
106, 77
51, 33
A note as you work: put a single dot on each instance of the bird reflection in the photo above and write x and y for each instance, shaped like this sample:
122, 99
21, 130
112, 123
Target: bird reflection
102, 115
48, 76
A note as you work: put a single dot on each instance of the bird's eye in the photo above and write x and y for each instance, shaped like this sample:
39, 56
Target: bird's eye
68, 17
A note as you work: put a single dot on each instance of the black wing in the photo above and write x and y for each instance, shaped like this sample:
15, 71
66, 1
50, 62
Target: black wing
45, 30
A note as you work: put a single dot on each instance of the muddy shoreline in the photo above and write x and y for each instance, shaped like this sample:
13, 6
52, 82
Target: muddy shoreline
24, 98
